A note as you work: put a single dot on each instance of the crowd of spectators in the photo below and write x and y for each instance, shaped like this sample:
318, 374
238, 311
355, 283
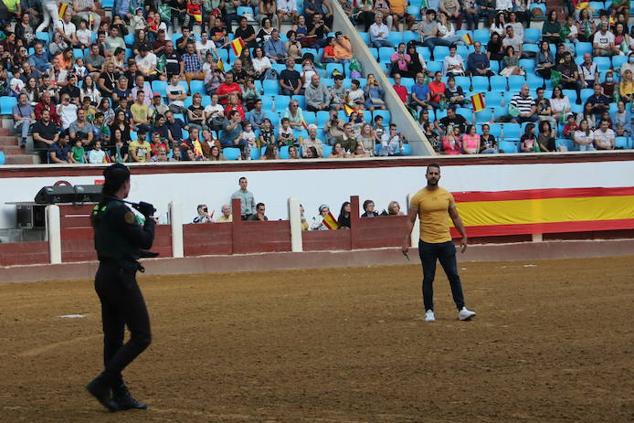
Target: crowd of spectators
159, 81
577, 67
324, 220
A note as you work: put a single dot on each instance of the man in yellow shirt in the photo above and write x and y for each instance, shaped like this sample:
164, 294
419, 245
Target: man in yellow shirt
140, 112
434, 206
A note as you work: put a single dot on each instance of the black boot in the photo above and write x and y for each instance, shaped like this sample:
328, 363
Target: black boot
124, 400
100, 389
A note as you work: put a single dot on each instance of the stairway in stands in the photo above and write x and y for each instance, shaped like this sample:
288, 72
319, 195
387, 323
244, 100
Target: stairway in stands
13, 153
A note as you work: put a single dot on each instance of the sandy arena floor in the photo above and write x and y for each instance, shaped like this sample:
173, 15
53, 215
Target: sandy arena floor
553, 342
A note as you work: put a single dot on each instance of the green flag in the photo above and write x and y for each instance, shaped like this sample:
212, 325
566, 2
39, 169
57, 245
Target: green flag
555, 77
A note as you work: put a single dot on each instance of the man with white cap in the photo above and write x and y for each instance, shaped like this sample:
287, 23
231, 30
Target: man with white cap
312, 141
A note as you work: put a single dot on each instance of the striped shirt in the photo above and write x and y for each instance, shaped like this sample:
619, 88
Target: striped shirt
523, 104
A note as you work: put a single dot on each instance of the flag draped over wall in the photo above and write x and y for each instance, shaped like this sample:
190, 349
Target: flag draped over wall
330, 222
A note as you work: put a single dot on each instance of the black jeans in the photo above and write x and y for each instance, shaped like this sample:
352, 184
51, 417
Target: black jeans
122, 305
445, 252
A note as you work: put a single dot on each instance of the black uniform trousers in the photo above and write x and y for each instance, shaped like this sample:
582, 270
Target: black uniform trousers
122, 304
445, 252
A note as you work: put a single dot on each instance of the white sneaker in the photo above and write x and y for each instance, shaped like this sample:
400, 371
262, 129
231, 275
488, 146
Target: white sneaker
429, 316
466, 314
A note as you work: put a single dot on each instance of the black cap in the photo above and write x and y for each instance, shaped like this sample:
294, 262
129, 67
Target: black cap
115, 175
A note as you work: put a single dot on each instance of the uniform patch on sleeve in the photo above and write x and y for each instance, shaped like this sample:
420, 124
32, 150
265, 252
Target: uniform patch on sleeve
129, 218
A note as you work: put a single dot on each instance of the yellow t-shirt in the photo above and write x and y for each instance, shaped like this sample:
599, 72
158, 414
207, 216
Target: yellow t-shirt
398, 6
141, 149
433, 212
140, 113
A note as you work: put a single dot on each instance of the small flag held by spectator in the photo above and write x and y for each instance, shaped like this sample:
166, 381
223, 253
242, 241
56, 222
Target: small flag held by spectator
477, 101
467, 39
330, 222
349, 109
220, 66
237, 45
62, 9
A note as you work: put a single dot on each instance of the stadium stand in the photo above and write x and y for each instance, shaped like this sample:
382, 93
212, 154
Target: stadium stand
115, 62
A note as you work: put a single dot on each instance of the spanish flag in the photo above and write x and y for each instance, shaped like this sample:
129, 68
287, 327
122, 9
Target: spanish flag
220, 65
238, 45
62, 9
330, 222
467, 39
349, 109
477, 101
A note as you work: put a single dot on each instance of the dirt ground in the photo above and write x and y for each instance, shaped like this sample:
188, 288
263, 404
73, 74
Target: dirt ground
552, 342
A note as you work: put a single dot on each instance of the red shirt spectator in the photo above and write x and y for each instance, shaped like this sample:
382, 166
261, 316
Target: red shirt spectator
229, 108
400, 90
436, 88
226, 88
46, 104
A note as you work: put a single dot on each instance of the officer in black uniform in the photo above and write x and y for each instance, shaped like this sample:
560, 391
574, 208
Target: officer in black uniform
122, 236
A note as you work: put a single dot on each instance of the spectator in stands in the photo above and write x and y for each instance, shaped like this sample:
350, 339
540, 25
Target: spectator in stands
391, 142
603, 42
544, 61
428, 31
374, 94
81, 129
546, 138
107, 79
454, 120
589, 71
599, 102
588, 115
583, 137
528, 141
511, 63
622, 118
379, 33
544, 108
140, 113
319, 223
399, 60
343, 48
551, 29
226, 216
23, 118
488, 143
67, 29
337, 93
560, 104
140, 149
45, 133
59, 151
228, 87
454, 93
569, 75
604, 137
40, 59
247, 200
49, 14
499, 24
317, 95
525, 106
334, 128
393, 209
416, 64
121, 90
495, 48
275, 49
67, 111
452, 9
513, 40
343, 221
626, 87
609, 84
478, 63
96, 155
202, 214
446, 30
286, 11
114, 40
146, 62
87, 10
311, 142
400, 90
436, 91
231, 131
420, 94
367, 139
368, 209
191, 65
290, 80
261, 64
45, 103
157, 108
338, 152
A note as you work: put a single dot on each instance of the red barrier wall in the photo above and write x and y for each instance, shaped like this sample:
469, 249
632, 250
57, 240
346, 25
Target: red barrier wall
327, 240
32, 252
208, 239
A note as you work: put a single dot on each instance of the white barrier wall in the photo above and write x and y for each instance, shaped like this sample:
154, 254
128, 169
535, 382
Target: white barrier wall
313, 187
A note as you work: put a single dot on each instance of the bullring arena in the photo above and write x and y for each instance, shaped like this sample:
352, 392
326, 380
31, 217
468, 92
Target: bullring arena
252, 323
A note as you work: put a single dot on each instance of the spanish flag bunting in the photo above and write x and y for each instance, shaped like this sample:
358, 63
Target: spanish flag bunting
477, 101
467, 39
220, 65
330, 222
237, 45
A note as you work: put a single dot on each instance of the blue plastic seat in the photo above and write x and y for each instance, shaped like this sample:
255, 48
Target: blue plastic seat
245, 10
515, 83
495, 129
43, 36
530, 48
327, 149
365, 37
532, 35
386, 116
528, 65
564, 144
281, 103
129, 40
484, 115
273, 116
585, 94
410, 36
78, 53
464, 82
6, 105
283, 152
480, 83
466, 113
384, 54
322, 117
440, 52
407, 150
583, 48
435, 66
603, 63
197, 87
481, 35
622, 143
270, 87
571, 94
512, 131
424, 52
534, 81
394, 38
267, 102
231, 153
508, 147
330, 67
160, 87
107, 4
498, 83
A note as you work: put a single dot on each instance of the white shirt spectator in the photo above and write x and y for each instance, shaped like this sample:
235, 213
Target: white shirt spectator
603, 138
261, 65
84, 36
503, 4
68, 114
515, 42
146, 64
176, 89
67, 28
96, 156
16, 85
603, 40
453, 61
204, 48
381, 29
214, 110
287, 6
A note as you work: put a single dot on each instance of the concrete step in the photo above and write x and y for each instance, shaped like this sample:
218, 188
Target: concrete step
6, 131
12, 150
6, 140
22, 159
